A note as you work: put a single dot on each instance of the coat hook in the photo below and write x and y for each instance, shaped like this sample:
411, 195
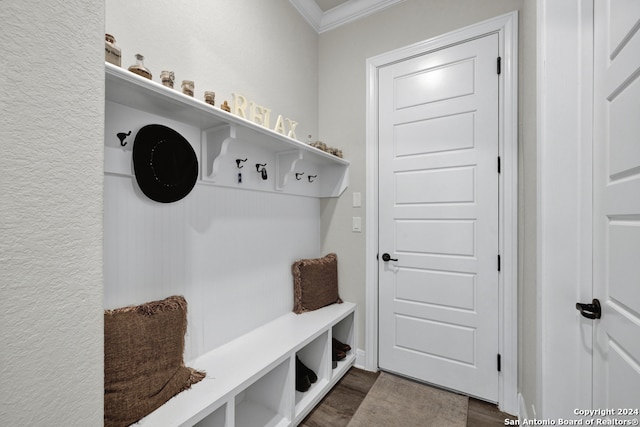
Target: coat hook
311, 177
263, 171
298, 175
238, 161
122, 136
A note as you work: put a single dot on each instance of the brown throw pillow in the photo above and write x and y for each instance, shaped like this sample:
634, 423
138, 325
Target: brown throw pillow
315, 283
143, 365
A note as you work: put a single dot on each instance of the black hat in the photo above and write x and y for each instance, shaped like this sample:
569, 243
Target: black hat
165, 165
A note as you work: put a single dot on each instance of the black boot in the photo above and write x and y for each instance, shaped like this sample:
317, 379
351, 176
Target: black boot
303, 368
303, 382
338, 355
341, 346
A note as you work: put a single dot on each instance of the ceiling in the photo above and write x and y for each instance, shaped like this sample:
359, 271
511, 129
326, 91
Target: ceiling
329, 4
325, 15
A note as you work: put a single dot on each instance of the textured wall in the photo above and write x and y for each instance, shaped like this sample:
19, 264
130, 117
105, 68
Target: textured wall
51, 119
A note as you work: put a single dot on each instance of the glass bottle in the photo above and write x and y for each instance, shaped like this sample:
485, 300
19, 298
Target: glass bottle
139, 67
112, 53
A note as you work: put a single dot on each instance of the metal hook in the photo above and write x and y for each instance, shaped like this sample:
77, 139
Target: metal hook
263, 171
238, 161
311, 177
298, 175
122, 136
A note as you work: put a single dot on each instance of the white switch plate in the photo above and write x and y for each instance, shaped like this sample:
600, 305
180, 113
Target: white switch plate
357, 224
357, 200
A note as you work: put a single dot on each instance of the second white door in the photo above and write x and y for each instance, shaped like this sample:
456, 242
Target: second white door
438, 217
616, 247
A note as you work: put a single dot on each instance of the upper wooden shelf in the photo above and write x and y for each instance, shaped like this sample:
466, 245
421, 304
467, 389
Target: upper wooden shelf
128, 89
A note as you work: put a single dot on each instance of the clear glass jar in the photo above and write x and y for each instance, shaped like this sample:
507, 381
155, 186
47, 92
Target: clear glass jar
112, 52
187, 87
139, 68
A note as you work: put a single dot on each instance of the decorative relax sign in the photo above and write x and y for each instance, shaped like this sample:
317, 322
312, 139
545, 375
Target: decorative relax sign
262, 116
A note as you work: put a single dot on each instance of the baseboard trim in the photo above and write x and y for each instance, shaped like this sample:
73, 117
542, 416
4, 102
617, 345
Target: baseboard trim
522, 409
361, 360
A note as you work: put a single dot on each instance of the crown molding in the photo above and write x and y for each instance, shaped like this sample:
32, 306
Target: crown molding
347, 12
310, 10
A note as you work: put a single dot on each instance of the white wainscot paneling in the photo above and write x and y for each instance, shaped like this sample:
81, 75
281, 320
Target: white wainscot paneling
228, 252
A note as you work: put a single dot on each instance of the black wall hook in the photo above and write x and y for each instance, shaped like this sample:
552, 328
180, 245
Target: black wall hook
238, 161
122, 136
263, 171
298, 175
312, 177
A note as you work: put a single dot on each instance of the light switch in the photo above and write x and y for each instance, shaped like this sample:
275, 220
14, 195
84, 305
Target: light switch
357, 224
357, 200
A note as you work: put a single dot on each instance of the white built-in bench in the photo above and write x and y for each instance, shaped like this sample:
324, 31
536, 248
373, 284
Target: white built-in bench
251, 380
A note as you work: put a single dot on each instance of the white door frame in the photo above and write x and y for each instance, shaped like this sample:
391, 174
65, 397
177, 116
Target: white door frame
564, 208
506, 26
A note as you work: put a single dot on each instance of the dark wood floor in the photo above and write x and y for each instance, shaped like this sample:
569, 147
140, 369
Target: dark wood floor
339, 405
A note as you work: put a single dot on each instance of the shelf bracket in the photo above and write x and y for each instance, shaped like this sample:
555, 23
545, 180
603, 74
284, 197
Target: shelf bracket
215, 143
285, 166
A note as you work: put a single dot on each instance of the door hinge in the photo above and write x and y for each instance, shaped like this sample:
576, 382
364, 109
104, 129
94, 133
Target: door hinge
499, 65
498, 262
499, 363
498, 164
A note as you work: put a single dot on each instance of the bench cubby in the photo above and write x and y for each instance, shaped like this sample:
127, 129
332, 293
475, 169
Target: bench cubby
265, 402
317, 357
216, 419
251, 380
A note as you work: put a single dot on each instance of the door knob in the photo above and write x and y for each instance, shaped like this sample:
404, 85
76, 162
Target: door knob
590, 311
386, 257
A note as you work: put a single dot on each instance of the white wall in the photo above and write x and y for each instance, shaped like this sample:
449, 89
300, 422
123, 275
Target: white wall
263, 50
51, 120
527, 214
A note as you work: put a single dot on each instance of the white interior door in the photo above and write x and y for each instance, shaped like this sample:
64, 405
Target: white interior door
616, 355
438, 217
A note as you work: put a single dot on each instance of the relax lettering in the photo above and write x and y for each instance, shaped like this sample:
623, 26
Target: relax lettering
262, 116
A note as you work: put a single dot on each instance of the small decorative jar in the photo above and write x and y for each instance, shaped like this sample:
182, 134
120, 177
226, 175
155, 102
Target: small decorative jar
139, 68
187, 87
112, 53
210, 97
225, 107
167, 78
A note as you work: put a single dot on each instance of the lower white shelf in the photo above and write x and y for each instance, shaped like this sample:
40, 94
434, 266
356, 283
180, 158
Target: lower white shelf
251, 414
250, 381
